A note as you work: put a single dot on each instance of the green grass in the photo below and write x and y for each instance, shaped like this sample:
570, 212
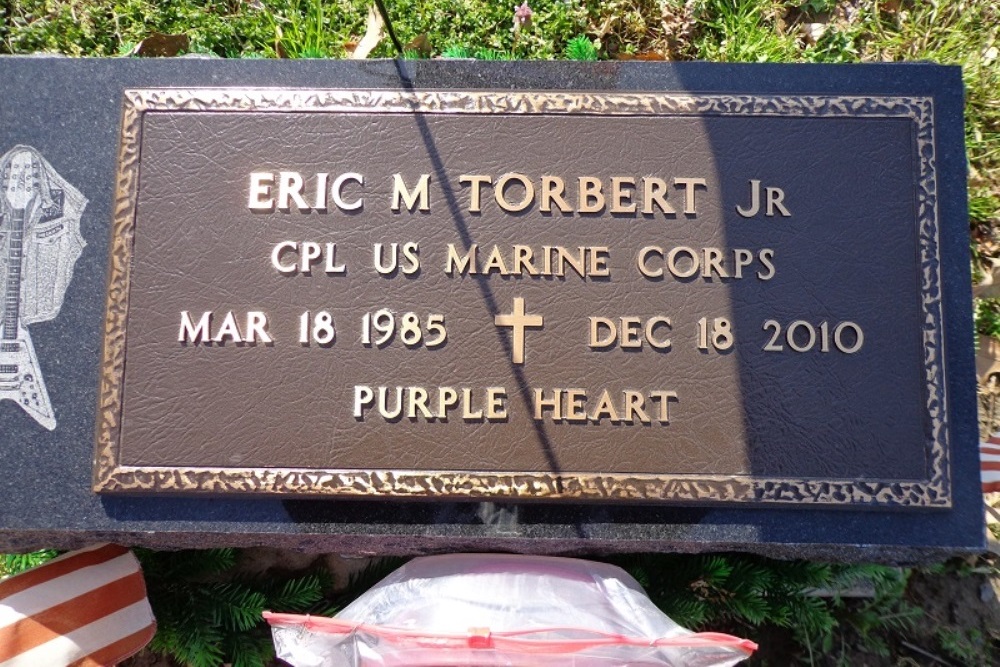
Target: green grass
743, 31
11, 564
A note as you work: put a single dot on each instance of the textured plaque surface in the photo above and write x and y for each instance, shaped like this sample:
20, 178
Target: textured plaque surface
786, 354
144, 171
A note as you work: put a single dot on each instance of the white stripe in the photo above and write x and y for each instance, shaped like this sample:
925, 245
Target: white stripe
86, 640
990, 476
55, 591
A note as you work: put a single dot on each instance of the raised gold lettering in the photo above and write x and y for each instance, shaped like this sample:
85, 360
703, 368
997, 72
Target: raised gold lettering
641, 258
618, 407
605, 409
591, 199
597, 341
495, 262
654, 191
364, 398
651, 325
468, 414
576, 402
766, 255
599, 256
476, 181
447, 399
523, 256
337, 191
418, 401
410, 199
690, 185
673, 262
260, 186
713, 264
496, 409
621, 194
195, 333
542, 404
290, 189
634, 402
461, 263
552, 191
229, 329
663, 398
500, 192
630, 329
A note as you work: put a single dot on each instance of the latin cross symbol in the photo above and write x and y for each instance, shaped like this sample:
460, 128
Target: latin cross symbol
518, 321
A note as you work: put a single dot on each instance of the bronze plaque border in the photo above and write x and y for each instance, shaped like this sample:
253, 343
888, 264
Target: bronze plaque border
111, 476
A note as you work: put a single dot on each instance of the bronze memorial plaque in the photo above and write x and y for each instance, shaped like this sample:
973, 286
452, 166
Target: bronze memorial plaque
535, 295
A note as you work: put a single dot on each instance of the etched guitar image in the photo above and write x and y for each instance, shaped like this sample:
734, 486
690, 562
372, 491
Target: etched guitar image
40, 242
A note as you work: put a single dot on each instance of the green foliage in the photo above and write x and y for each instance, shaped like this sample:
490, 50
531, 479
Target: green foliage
705, 591
224, 27
485, 23
11, 564
871, 620
303, 29
959, 32
835, 45
580, 48
492, 54
288, 28
205, 618
742, 592
456, 51
818, 6
968, 646
956, 640
983, 207
743, 31
988, 317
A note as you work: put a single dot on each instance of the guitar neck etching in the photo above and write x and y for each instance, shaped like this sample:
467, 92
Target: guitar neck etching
40, 243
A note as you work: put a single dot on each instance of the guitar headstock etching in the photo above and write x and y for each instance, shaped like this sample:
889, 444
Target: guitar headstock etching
40, 242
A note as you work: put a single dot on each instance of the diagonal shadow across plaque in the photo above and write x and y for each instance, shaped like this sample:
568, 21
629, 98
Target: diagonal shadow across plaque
540, 295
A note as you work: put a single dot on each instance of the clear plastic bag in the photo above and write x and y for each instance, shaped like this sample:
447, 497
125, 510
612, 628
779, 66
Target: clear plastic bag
495, 609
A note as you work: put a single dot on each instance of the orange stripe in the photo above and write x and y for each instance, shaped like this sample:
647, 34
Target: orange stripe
990, 465
990, 448
50, 571
121, 649
70, 615
992, 487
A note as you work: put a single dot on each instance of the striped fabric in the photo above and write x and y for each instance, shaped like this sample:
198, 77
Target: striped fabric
86, 608
989, 457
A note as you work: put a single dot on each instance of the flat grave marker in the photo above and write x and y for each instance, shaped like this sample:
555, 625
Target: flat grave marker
400, 308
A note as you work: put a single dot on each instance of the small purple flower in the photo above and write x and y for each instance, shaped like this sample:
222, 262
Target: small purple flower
522, 16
